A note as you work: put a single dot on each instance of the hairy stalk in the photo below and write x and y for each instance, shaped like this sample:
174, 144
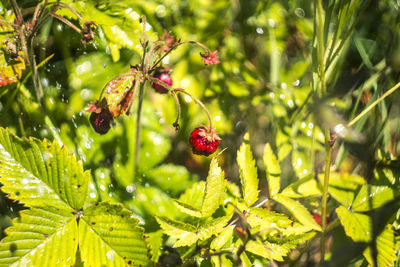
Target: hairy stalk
138, 126
376, 102
178, 111
328, 157
196, 100
35, 74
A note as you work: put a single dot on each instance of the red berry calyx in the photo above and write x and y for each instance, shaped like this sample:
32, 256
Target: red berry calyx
163, 77
204, 141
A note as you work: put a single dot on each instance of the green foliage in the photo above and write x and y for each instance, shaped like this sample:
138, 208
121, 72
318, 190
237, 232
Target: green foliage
260, 232
54, 187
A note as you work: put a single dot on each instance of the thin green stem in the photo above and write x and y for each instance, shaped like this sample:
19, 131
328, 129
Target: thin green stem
376, 102
321, 48
328, 157
196, 100
138, 126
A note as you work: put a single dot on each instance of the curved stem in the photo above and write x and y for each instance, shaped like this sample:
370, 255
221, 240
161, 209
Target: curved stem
376, 102
138, 126
196, 100
178, 110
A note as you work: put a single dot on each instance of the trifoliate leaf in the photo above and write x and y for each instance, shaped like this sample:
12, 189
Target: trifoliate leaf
248, 172
110, 236
273, 170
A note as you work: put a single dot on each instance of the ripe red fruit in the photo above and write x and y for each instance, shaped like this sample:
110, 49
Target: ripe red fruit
204, 141
165, 78
317, 218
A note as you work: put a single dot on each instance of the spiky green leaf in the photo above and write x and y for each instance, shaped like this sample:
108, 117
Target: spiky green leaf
41, 173
267, 219
186, 208
248, 172
272, 169
45, 236
298, 211
215, 189
110, 236
185, 233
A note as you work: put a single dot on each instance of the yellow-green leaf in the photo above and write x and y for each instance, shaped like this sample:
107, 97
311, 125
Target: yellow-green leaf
298, 211
356, 225
215, 189
273, 171
110, 236
248, 172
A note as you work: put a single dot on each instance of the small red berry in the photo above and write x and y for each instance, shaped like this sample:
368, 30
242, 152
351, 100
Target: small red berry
101, 121
204, 141
164, 78
317, 218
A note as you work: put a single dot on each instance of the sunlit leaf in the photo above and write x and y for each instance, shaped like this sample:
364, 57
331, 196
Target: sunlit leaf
41, 173
372, 197
298, 211
304, 187
108, 235
272, 169
186, 208
356, 225
386, 246
45, 236
185, 233
267, 219
214, 189
248, 172
222, 238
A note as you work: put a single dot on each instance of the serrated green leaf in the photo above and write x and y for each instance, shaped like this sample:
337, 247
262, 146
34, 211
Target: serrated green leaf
215, 189
213, 227
155, 242
186, 208
267, 219
194, 195
222, 238
356, 225
386, 246
110, 236
248, 173
45, 236
258, 248
304, 187
372, 197
272, 169
41, 173
220, 261
185, 233
298, 211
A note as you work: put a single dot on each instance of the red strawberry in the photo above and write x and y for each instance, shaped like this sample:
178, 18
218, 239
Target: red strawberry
204, 141
165, 78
